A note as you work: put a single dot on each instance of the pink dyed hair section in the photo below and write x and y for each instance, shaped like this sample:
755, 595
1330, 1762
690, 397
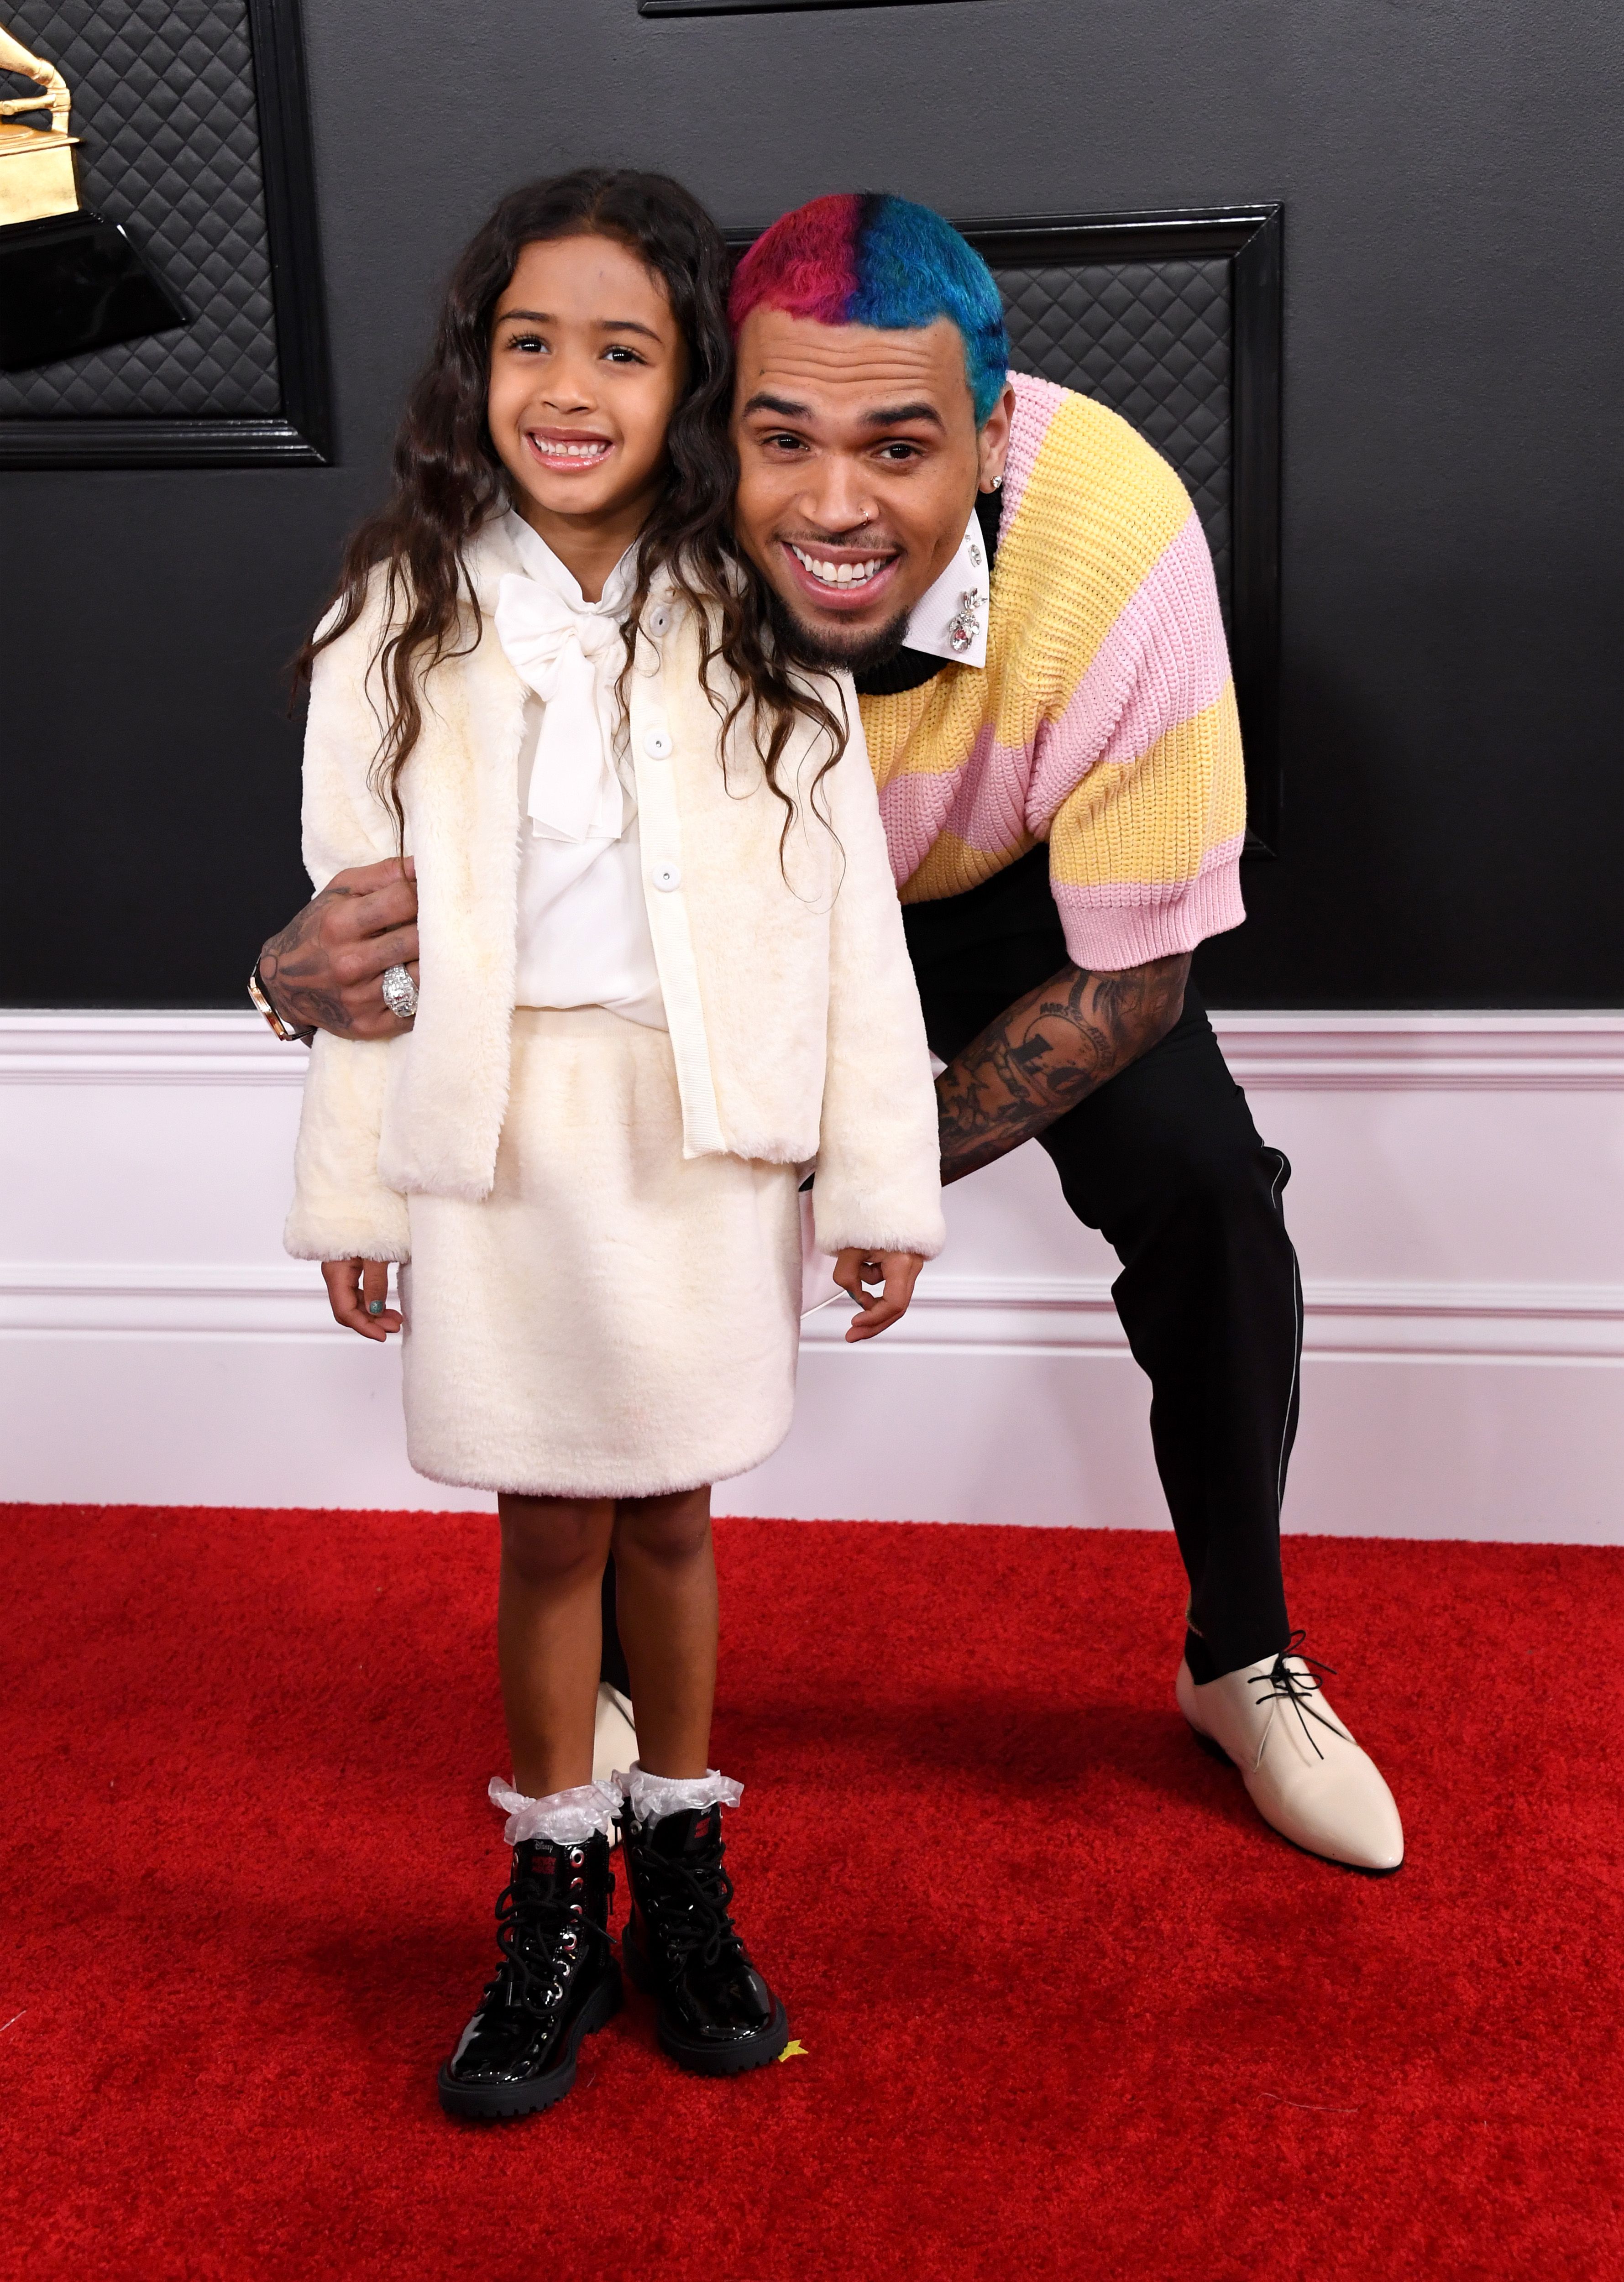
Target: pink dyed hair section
806, 263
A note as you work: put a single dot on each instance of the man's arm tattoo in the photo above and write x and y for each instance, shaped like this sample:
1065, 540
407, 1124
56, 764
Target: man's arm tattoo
290, 966
1049, 1051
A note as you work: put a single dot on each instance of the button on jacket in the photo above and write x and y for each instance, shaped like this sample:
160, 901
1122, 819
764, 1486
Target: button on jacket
794, 1018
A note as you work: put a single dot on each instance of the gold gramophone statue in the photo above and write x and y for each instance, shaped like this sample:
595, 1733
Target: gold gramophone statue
36, 171
69, 281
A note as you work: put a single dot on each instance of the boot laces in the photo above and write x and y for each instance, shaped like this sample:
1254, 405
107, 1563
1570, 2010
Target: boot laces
1281, 1685
539, 1932
688, 1905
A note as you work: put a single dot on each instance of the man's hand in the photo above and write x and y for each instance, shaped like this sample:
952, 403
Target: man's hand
897, 1271
322, 972
1051, 1050
356, 1292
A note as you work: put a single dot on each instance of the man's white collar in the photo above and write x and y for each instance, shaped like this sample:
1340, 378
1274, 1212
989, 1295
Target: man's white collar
950, 618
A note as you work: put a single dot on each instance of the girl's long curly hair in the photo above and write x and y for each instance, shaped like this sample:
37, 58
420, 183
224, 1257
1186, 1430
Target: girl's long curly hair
448, 480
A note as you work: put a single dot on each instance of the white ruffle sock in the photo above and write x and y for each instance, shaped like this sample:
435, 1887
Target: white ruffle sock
568, 1818
651, 1798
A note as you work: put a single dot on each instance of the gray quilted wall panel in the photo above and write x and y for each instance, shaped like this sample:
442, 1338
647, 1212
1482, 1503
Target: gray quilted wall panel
1152, 340
164, 103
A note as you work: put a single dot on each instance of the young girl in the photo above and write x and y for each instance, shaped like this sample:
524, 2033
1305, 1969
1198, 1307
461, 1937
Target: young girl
663, 969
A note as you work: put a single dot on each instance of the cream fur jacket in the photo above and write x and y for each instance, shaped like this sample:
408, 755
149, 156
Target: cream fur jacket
794, 1018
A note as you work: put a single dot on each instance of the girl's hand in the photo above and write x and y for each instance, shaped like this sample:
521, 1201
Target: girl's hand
357, 1290
898, 1271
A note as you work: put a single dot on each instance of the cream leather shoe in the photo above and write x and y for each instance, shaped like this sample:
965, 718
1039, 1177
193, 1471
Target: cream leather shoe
614, 1738
1306, 1775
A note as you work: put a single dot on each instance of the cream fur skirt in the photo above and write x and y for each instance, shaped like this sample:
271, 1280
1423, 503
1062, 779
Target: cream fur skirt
614, 1320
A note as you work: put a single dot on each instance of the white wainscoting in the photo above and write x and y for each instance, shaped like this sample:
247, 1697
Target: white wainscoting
1457, 1199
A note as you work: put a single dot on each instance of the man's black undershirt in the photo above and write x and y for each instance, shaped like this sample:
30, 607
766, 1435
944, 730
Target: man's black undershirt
911, 669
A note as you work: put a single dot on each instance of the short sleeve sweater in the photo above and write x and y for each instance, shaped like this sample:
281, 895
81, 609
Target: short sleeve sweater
1104, 720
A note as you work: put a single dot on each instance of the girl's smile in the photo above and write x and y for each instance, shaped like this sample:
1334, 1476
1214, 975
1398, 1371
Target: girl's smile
568, 451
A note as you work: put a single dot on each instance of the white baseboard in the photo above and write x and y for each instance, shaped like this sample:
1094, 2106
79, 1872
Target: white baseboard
1579, 1053
1031, 1315
1458, 1203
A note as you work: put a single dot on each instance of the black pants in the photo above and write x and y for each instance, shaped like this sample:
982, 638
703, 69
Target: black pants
1166, 1162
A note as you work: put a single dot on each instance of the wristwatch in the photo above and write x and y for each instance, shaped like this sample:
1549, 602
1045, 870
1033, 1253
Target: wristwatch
284, 1030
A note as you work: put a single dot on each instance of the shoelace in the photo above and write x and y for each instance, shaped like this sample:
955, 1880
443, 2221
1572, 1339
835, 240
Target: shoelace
1281, 1685
689, 1905
531, 1925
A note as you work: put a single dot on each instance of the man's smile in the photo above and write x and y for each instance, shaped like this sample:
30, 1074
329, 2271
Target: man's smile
840, 577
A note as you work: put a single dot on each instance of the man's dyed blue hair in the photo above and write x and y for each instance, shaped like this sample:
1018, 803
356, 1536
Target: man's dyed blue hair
864, 258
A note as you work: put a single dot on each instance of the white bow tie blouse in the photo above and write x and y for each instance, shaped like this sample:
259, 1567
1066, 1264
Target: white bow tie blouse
584, 938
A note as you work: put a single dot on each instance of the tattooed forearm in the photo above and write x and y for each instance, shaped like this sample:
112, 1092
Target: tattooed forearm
1049, 1051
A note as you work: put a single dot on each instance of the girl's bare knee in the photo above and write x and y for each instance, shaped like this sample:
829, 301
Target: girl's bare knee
664, 1529
544, 1540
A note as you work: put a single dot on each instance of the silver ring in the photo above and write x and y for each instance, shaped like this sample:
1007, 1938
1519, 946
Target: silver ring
400, 993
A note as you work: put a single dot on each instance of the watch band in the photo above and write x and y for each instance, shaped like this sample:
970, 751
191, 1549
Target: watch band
284, 1030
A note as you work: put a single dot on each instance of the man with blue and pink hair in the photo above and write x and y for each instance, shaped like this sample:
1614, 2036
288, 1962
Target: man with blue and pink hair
1023, 591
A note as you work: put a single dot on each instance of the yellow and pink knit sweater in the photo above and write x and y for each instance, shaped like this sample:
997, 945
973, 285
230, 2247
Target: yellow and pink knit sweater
1104, 720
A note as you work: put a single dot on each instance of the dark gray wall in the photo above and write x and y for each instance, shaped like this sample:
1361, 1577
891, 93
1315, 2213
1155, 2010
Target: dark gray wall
1455, 816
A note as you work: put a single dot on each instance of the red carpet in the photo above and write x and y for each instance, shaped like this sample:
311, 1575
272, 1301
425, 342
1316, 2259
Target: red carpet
1069, 2010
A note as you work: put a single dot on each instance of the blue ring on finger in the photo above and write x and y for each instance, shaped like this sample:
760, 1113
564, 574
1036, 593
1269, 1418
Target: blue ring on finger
374, 1307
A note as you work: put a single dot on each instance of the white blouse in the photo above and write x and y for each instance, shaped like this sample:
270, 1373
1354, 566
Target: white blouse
584, 938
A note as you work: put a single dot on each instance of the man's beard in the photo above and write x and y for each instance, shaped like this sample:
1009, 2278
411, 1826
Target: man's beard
810, 646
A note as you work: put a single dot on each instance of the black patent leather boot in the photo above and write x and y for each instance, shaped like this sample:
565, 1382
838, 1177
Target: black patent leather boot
717, 2015
557, 1982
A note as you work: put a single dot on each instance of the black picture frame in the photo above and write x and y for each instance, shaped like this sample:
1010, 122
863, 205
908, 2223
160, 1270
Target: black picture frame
1250, 238
301, 434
